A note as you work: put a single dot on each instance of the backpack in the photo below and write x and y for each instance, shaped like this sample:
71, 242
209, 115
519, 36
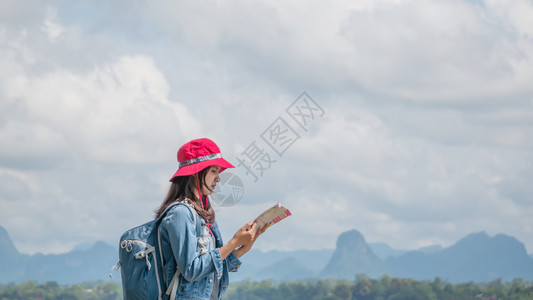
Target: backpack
141, 260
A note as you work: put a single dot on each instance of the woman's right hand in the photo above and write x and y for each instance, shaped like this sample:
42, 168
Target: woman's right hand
245, 234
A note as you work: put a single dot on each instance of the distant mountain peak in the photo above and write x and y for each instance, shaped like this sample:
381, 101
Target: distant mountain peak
476, 257
7, 247
353, 256
352, 240
483, 242
477, 235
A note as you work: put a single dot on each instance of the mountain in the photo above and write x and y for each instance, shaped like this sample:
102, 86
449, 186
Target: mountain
6, 244
431, 249
12, 263
83, 246
257, 265
383, 250
76, 266
287, 269
477, 257
353, 256
73, 267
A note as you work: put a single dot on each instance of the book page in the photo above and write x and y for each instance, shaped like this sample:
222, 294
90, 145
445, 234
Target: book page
273, 215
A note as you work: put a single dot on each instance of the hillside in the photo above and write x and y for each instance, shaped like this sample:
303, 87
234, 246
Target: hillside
76, 266
477, 257
353, 256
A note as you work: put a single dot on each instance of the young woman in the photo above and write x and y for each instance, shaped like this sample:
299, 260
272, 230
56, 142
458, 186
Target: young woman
192, 243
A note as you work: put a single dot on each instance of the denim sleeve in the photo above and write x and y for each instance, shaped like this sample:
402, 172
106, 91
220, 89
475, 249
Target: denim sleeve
232, 262
181, 229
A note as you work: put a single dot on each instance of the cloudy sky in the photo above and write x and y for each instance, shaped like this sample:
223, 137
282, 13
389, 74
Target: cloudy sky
418, 116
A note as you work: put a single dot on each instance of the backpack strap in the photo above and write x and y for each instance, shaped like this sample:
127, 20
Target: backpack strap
173, 286
193, 212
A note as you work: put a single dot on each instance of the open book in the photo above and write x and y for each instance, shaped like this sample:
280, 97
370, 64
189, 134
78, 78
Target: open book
272, 215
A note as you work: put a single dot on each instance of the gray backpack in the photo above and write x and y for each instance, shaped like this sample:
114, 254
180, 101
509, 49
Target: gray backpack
141, 261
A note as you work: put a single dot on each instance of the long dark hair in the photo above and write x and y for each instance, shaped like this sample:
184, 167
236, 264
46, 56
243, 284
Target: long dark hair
183, 187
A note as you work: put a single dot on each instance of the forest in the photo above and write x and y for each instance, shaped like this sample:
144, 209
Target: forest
362, 288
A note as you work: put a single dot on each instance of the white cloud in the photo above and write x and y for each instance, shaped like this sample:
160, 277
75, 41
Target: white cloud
70, 138
418, 50
426, 137
115, 113
51, 27
515, 14
394, 185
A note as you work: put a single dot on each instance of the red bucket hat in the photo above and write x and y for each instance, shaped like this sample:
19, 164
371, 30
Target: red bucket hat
197, 155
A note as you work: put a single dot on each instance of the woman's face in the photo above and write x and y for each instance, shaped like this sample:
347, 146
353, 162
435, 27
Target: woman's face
211, 179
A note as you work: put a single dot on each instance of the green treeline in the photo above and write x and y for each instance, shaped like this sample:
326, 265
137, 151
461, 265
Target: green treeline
31, 290
385, 288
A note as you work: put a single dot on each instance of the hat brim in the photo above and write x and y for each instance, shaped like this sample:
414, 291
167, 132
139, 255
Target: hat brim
197, 167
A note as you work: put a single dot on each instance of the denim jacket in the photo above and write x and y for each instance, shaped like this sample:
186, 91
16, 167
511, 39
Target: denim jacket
190, 248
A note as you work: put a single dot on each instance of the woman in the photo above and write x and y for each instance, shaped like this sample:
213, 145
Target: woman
192, 243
